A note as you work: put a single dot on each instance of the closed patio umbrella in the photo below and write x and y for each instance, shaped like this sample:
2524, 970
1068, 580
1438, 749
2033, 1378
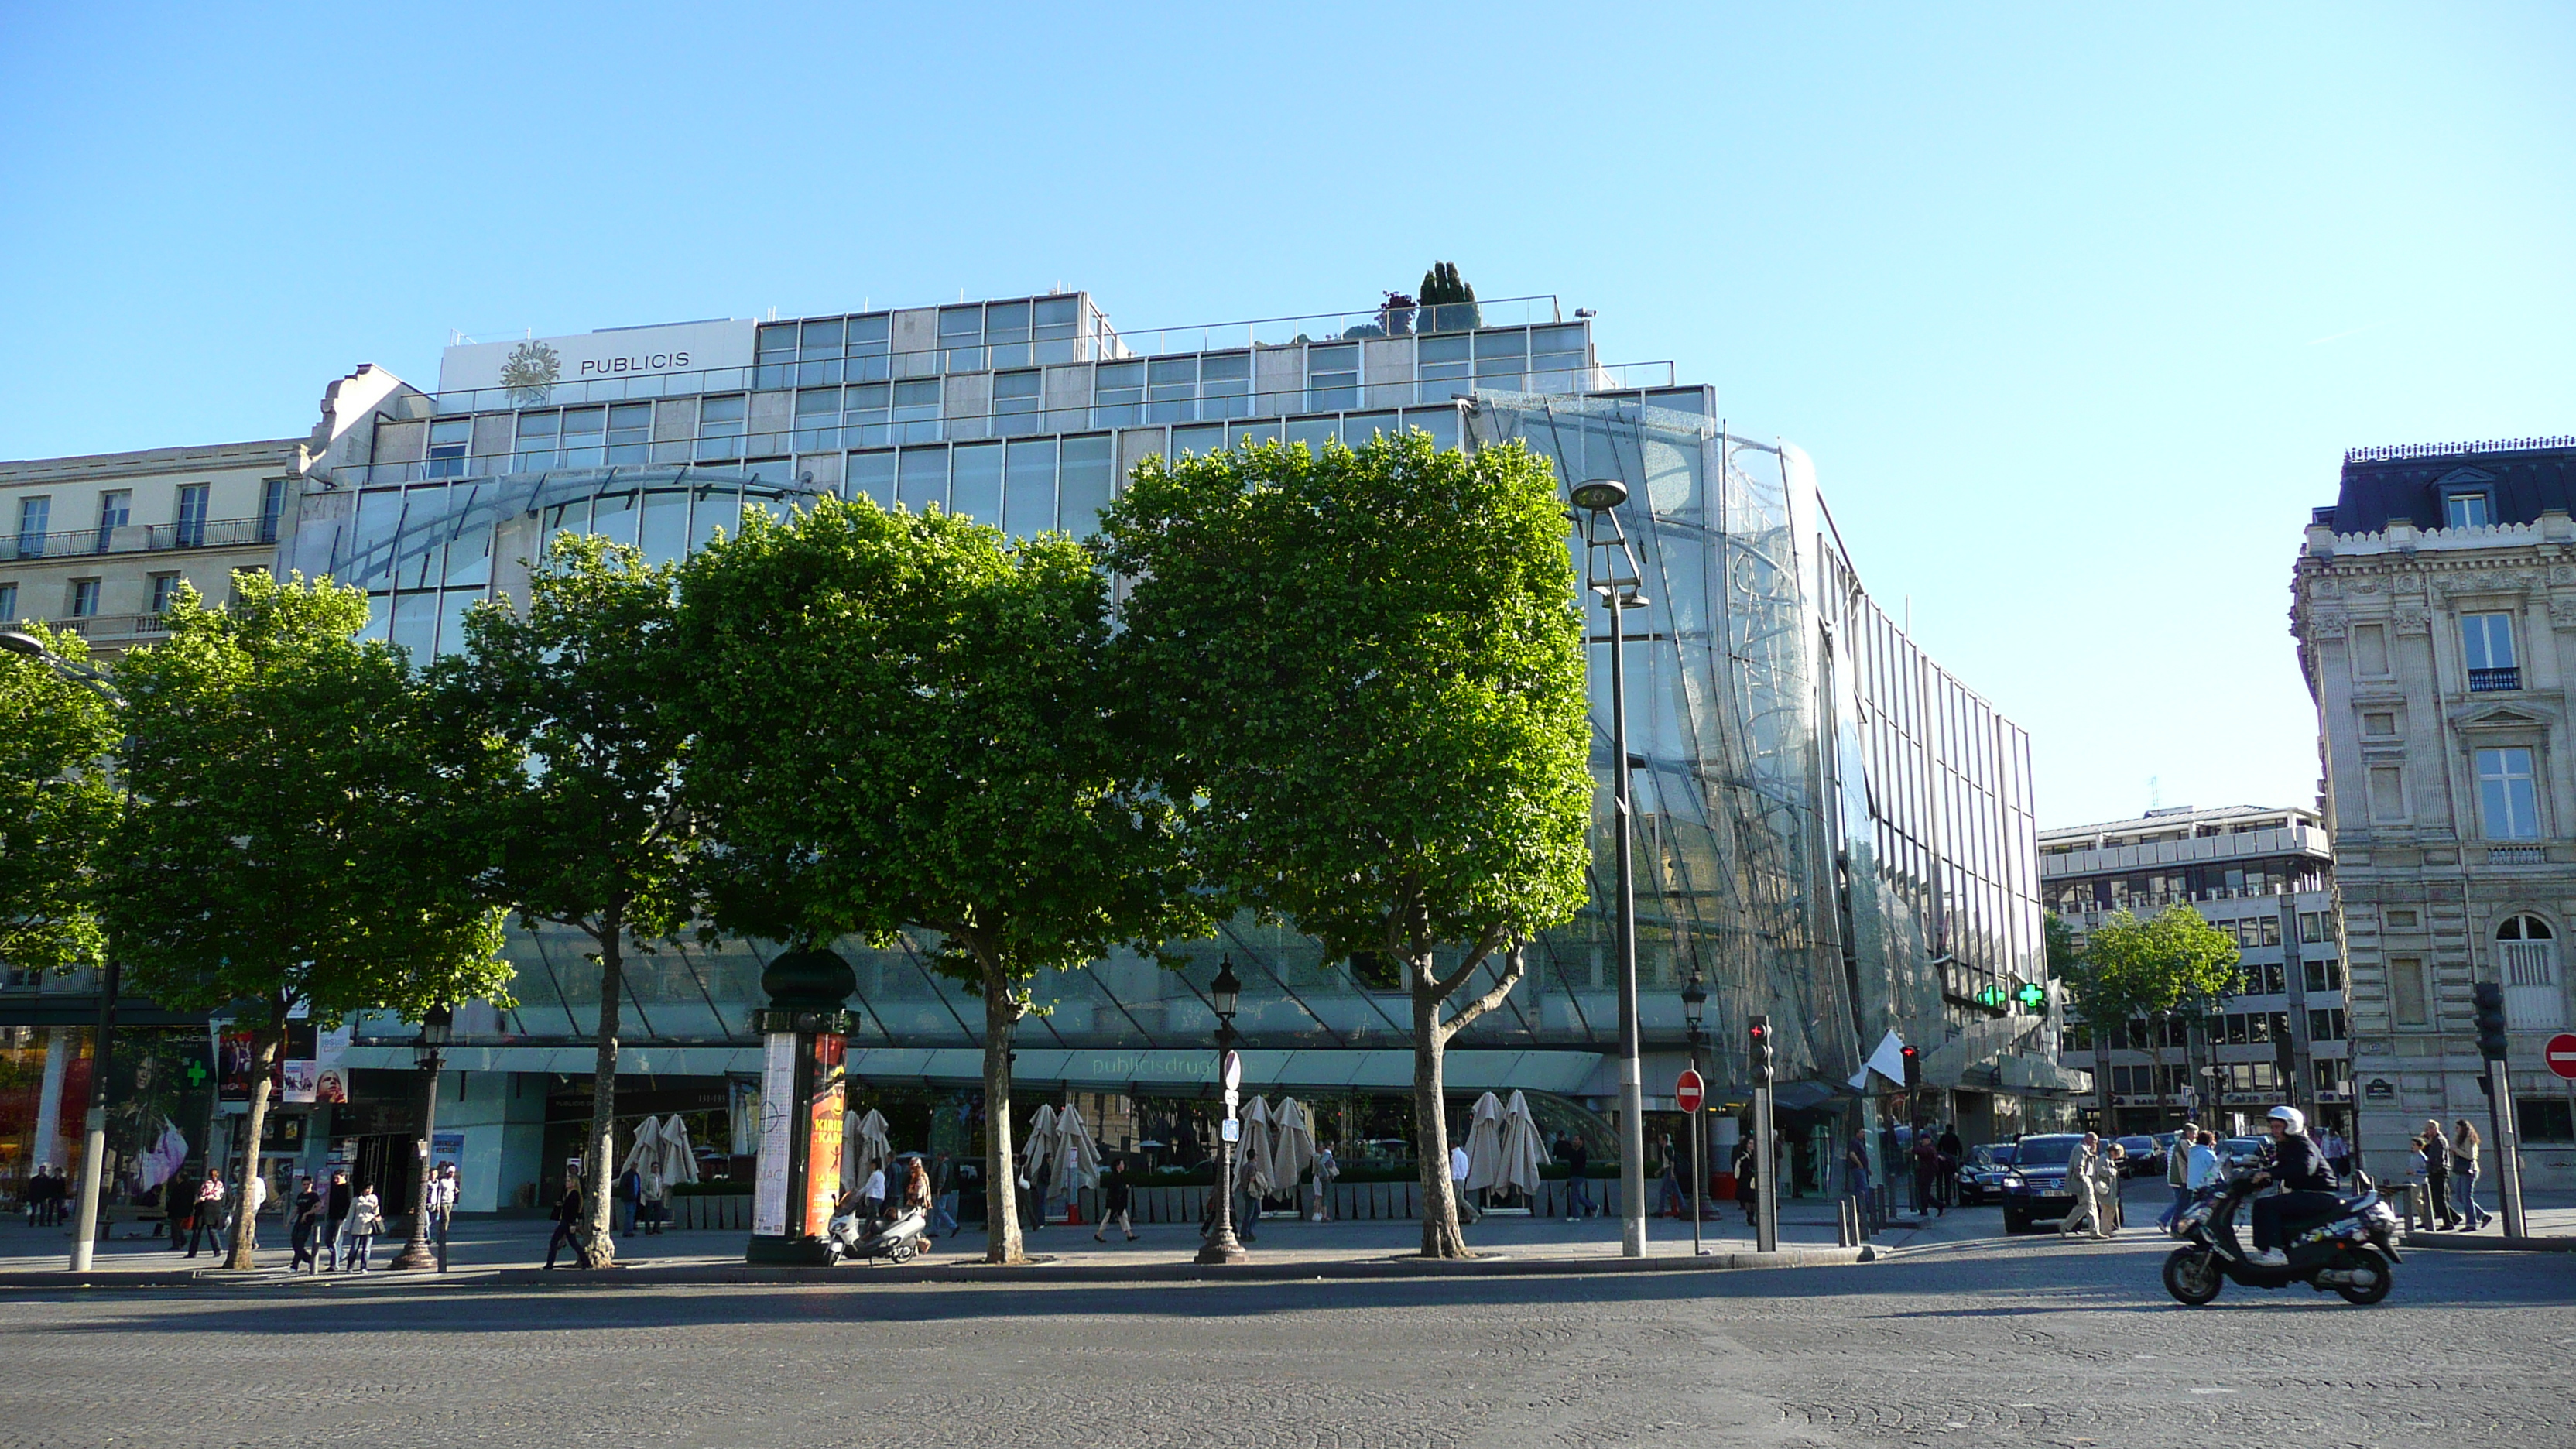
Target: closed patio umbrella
1292, 1140
1041, 1148
1484, 1144
679, 1155
646, 1154
864, 1148
1524, 1150
1076, 1156
1260, 1172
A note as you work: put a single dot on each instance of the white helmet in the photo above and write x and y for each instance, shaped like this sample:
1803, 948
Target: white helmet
2291, 1118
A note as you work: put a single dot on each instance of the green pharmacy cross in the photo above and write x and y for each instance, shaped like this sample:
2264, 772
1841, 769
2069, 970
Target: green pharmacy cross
2032, 997
196, 1074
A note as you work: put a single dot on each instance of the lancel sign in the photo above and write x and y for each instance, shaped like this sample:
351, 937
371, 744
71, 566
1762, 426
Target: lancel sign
534, 369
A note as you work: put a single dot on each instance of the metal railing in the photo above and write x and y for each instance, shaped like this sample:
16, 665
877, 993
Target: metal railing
1327, 327
2387, 452
115, 626
137, 538
2486, 681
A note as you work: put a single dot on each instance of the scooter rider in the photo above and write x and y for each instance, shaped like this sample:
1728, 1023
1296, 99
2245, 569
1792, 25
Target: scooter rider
2307, 1185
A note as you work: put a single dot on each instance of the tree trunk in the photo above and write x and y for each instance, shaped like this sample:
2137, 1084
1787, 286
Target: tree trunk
265, 1046
1001, 1181
1440, 1235
598, 1171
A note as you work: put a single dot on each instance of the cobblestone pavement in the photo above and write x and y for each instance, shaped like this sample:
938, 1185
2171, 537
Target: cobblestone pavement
1970, 1341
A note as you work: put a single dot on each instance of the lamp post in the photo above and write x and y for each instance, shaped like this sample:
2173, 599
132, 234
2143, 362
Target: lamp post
94, 1130
1224, 994
429, 1054
1610, 570
1695, 1006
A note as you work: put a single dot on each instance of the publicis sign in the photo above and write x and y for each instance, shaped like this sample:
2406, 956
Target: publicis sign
532, 368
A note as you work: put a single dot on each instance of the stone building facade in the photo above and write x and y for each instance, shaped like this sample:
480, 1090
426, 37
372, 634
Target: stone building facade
2435, 611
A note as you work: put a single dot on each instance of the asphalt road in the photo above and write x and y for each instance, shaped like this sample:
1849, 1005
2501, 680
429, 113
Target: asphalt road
1971, 1342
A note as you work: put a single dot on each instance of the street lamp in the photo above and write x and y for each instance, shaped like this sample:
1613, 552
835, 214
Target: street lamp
1610, 570
429, 1054
1224, 994
1694, 1007
94, 1135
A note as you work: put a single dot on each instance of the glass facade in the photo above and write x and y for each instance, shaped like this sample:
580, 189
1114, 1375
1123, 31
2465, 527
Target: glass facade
1831, 829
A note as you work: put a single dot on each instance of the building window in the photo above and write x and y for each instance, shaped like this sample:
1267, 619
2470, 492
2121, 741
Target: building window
115, 510
84, 598
2324, 976
8, 603
2370, 651
1333, 378
2527, 958
2387, 793
2506, 795
272, 508
35, 515
2406, 998
720, 426
192, 515
2466, 510
630, 433
2545, 1119
2486, 641
165, 587
2325, 1024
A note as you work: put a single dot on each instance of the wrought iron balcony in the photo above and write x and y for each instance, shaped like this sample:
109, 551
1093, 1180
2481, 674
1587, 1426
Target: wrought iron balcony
2482, 681
138, 538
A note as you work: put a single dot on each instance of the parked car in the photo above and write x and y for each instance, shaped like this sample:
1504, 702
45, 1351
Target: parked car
1984, 1172
2146, 1157
2037, 1191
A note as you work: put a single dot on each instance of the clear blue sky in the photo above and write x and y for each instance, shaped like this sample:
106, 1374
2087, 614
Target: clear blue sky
2076, 313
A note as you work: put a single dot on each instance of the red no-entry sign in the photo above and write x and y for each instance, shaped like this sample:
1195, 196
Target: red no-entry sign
2561, 1054
1690, 1091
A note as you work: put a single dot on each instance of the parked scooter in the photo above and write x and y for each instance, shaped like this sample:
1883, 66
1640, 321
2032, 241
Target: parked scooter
2350, 1249
862, 1236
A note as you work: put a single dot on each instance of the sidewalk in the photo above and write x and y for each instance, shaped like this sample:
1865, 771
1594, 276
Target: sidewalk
490, 1252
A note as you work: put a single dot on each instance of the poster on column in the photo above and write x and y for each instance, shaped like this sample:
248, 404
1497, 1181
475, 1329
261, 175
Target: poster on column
777, 1116
823, 1131
330, 1063
301, 1067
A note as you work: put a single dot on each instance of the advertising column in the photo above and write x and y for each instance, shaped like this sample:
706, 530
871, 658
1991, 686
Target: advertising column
802, 1097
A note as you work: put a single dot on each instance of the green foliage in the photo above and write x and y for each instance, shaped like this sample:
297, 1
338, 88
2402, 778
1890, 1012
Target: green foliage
288, 843
2172, 961
570, 723
2062, 951
57, 807
1366, 669
1442, 285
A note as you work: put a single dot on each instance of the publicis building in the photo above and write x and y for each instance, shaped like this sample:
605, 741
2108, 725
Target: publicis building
2264, 875
1831, 829
2433, 605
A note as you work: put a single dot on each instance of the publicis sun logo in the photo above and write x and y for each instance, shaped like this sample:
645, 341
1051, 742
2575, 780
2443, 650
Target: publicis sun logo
531, 371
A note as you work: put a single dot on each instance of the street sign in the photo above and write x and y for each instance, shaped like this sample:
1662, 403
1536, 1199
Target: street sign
1690, 1091
2561, 1054
1233, 1070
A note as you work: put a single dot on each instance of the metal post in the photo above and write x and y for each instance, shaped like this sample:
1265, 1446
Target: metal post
1222, 1246
94, 1135
1632, 1092
1699, 1170
417, 1256
2508, 1132
1766, 1176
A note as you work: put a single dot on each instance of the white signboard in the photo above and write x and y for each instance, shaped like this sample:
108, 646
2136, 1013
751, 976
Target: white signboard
536, 365
777, 1115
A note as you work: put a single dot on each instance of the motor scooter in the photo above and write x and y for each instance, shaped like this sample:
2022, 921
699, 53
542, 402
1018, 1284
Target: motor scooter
859, 1236
2349, 1249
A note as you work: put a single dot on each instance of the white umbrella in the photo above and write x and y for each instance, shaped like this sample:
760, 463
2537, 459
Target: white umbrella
679, 1156
1041, 1144
1524, 1151
1077, 1157
864, 1147
1484, 1144
1260, 1174
647, 1151
1292, 1142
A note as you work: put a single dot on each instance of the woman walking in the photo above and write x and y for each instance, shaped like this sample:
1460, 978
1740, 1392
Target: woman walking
366, 1219
2464, 1176
1113, 1204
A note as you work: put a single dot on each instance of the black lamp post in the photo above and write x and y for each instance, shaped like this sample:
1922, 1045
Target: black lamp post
1694, 1007
1224, 994
1610, 570
429, 1054
94, 1130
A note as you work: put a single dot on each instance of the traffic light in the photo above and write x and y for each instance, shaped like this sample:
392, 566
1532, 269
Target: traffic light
1757, 1032
1913, 1066
2491, 1043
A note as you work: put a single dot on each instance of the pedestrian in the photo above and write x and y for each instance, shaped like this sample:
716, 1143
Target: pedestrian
1458, 1182
1953, 1152
2085, 1188
653, 1200
943, 1212
567, 1216
1856, 1166
336, 1201
303, 1220
2338, 1154
2464, 1176
210, 1203
2437, 1174
1578, 1179
1672, 1199
629, 1190
1927, 1173
872, 1193
2178, 1173
2203, 1171
1113, 1204
442, 1208
366, 1219
1748, 1161
39, 1196
179, 1204
1327, 1168
2106, 1183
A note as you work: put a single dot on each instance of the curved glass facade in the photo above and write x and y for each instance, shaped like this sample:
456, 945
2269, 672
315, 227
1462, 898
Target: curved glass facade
1832, 830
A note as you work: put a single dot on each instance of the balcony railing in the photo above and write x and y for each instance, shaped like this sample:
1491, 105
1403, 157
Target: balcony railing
2484, 681
115, 626
138, 538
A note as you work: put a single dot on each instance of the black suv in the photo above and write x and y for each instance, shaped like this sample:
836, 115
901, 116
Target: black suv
2036, 1192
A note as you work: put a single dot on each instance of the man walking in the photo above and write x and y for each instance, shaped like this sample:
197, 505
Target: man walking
1578, 1179
2085, 1188
1458, 1185
2178, 1173
2437, 1173
335, 1213
442, 1209
303, 1220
